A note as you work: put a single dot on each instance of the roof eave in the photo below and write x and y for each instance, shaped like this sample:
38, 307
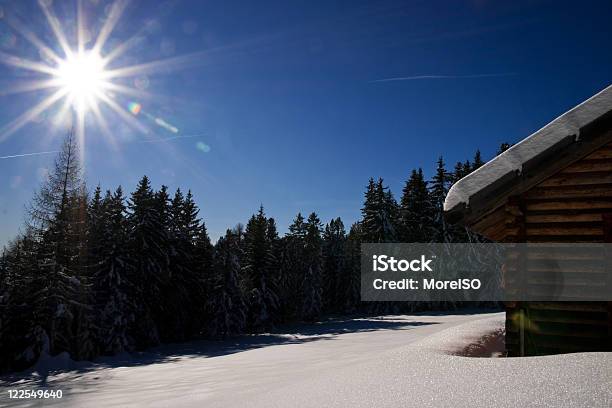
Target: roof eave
569, 146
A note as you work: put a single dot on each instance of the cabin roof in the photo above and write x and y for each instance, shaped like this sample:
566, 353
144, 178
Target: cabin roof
566, 139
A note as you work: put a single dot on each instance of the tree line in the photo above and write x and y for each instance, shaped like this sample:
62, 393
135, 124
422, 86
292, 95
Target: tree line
102, 273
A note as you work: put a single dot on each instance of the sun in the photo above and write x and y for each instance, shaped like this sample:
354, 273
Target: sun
86, 78
82, 78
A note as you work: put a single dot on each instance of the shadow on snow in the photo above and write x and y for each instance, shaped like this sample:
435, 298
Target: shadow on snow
325, 330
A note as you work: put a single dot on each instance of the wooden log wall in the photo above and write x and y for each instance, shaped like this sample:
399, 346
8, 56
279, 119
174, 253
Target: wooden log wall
572, 206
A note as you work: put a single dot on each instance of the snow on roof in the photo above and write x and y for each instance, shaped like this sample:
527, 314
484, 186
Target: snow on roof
512, 160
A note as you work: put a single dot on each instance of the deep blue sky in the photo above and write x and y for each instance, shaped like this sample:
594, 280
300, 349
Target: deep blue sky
287, 97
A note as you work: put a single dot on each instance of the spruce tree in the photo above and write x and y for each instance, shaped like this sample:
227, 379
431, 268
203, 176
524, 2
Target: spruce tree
467, 168
112, 272
311, 284
200, 267
179, 278
379, 213
298, 227
22, 336
274, 261
334, 239
478, 162
351, 276
146, 242
416, 212
203, 268
292, 261
458, 172
226, 301
503, 147
170, 315
438, 188
261, 297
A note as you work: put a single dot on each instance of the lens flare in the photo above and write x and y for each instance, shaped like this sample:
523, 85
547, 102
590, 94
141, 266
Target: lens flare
135, 108
203, 147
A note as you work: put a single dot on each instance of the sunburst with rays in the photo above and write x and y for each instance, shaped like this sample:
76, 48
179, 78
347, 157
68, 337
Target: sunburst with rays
80, 78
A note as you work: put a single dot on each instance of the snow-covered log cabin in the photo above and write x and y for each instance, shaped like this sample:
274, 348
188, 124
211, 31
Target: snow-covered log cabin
553, 186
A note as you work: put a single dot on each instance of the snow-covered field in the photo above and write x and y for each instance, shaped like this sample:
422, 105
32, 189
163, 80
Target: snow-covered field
395, 361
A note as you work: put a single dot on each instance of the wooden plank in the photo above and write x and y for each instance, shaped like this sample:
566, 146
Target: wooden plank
593, 319
557, 255
566, 266
591, 261
563, 217
577, 179
596, 270
565, 331
589, 166
564, 230
567, 282
578, 239
495, 232
604, 152
515, 219
492, 220
570, 306
607, 226
511, 235
563, 192
602, 204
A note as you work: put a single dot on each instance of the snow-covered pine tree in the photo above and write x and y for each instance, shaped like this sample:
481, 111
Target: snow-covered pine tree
438, 188
503, 147
146, 243
57, 224
203, 267
334, 239
391, 207
5, 298
112, 273
457, 173
226, 300
95, 228
22, 338
4, 291
351, 276
169, 314
379, 213
370, 209
439, 184
416, 212
199, 266
178, 277
298, 227
291, 269
204, 251
311, 283
261, 297
190, 262
84, 344
274, 262
478, 162
467, 168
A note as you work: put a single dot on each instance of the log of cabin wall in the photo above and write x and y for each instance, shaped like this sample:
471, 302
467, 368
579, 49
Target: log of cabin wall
570, 207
